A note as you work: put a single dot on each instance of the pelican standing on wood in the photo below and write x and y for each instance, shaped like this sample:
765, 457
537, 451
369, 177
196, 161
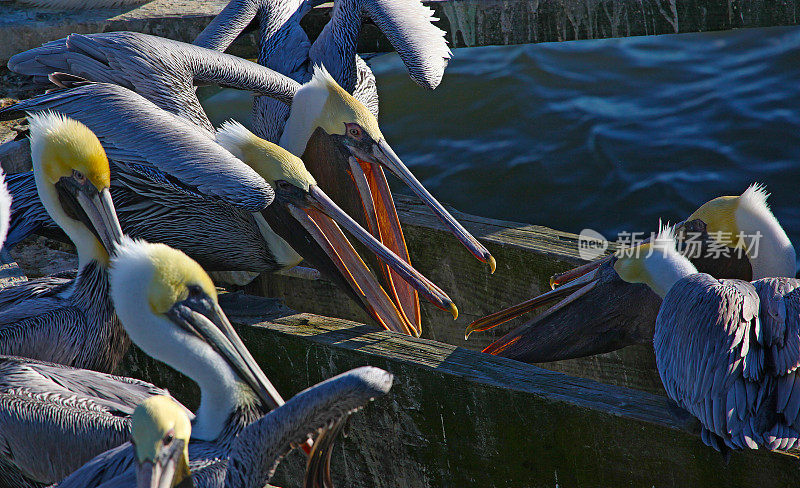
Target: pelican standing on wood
726, 350
53, 418
66, 321
598, 311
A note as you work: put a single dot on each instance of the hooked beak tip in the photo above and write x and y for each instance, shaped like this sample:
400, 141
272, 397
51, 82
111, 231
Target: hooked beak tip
553, 282
454, 310
492, 264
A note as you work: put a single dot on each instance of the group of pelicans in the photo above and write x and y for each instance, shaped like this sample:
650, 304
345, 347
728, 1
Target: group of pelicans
124, 157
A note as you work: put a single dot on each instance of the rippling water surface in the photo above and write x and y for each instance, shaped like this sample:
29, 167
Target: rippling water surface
610, 135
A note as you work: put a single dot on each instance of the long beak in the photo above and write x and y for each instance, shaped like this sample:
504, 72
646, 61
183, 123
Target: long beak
318, 217
431, 292
381, 217
204, 318
102, 217
567, 294
161, 472
384, 155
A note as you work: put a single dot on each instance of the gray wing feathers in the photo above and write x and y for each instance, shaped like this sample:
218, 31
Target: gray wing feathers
227, 25
708, 356
162, 70
420, 44
5, 208
406, 23
141, 133
259, 447
54, 418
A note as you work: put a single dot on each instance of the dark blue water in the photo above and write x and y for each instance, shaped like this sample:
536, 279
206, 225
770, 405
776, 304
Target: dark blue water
610, 135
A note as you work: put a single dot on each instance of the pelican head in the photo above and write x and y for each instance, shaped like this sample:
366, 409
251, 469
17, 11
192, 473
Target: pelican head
160, 435
304, 218
746, 223
73, 181
168, 306
321, 109
656, 263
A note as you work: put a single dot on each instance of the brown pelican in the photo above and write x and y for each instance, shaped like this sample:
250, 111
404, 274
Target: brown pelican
160, 431
165, 184
320, 410
599, 312
69, 321
337, 136
726, 350
56, 418
5, 208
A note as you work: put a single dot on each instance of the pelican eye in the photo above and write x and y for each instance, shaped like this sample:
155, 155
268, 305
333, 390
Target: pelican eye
195, 290
354, 130
169, 437
79, 177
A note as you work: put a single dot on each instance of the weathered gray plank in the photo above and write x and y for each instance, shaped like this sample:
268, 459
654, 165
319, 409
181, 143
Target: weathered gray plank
460, 418
467, 22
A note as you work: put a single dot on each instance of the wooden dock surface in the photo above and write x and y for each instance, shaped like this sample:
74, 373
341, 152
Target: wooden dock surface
468, 23
458, 418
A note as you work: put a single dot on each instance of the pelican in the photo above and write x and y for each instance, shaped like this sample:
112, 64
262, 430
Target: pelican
336, 135
599, 312
726, 350
66, 321
160, 431
320, 410
56, 418
5, 208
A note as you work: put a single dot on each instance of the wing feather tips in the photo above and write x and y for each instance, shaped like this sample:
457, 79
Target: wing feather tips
421, 45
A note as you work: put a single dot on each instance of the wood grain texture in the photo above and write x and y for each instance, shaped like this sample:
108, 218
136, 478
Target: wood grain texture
455, 417
468, 23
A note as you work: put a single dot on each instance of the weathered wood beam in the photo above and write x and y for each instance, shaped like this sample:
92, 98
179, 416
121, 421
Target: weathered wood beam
456, 417
527, 256
468, 23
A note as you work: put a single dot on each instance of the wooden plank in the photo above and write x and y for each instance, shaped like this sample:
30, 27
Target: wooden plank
468, 23
527, 256
455, 417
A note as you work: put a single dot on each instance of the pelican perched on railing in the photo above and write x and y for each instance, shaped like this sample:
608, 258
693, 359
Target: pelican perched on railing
5, 208
54, 418
337, 136
726, 350
164, 208
69, 321
258, 449
168, 306
160, 431
599, 312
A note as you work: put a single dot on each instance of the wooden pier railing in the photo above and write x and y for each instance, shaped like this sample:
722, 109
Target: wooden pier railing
456, 417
